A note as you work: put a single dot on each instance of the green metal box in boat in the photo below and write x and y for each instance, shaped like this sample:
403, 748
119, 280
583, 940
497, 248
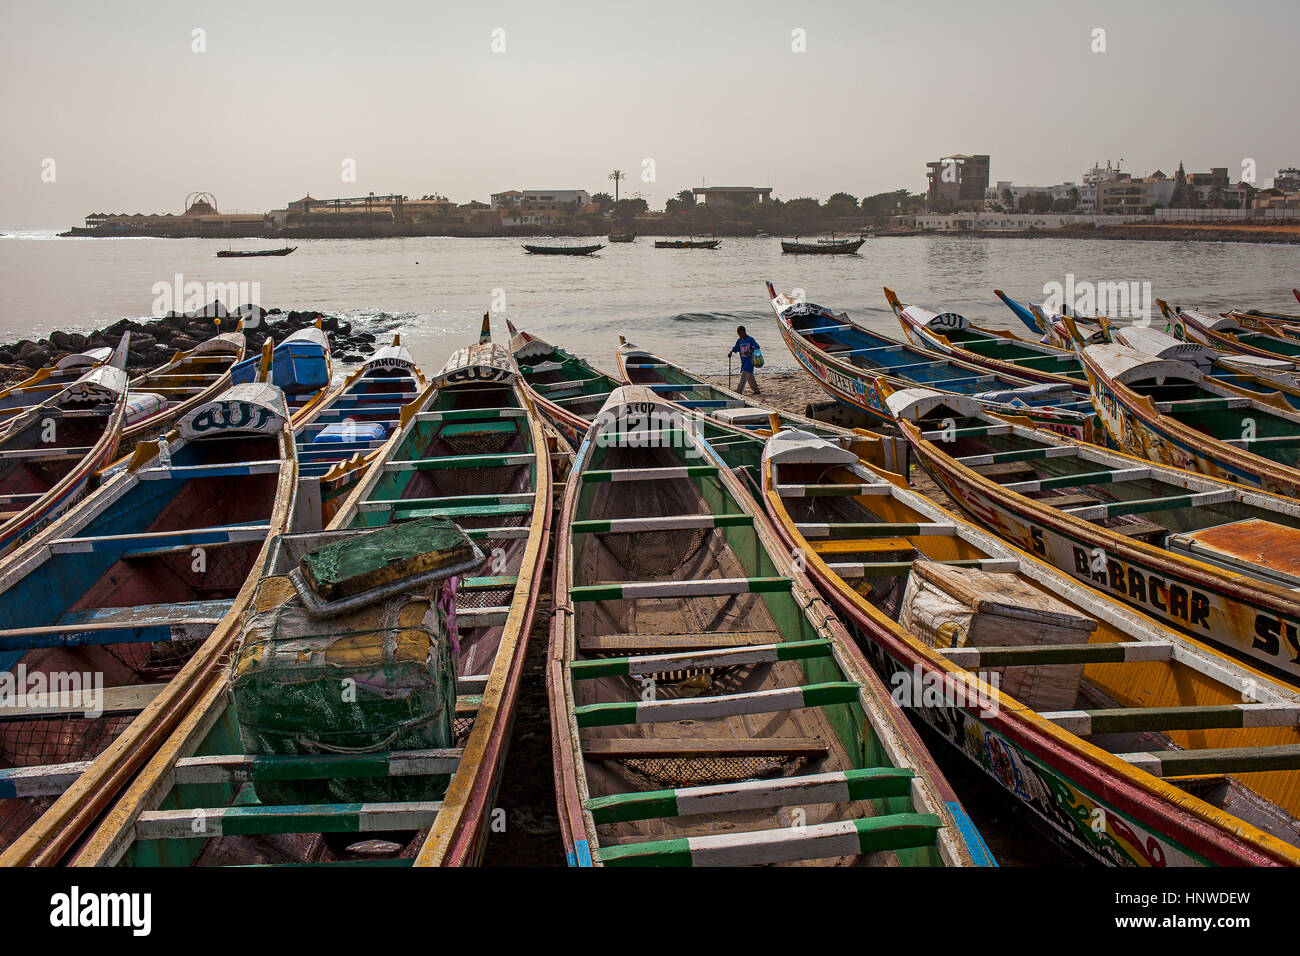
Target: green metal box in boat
376, 678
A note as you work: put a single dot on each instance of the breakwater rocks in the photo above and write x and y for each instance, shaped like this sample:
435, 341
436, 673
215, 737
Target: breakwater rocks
154, 341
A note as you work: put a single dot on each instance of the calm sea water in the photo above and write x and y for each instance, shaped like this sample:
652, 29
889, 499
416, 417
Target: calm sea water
684, 304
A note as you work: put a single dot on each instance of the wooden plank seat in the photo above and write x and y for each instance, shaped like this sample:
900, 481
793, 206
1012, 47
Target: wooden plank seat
1085, 723
469, 414
1119, 652
722, 705
843, 786
387, 504
128, 699
459, 461
1082, 479
187, 472
677, 748
627, 644
649, 474
780, 844
695, 587
1228, 760
646, 664
876, 529
262, 820
159, 542
112, 625
663, 523
869, 569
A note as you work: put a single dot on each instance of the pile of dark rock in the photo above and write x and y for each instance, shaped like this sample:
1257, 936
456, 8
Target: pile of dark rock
155, 341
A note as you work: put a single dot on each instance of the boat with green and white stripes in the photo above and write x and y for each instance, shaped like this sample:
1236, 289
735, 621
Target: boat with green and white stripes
707, 710
405, 773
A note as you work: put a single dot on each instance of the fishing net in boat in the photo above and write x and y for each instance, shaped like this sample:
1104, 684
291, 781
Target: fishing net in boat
668, 772
53, 740
381, 678
480, 442
156, 661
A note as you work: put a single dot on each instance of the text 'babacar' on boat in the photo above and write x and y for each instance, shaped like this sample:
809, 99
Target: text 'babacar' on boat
1208, 557
417, 601
849, 362
706, 707
1131, 744
142, 585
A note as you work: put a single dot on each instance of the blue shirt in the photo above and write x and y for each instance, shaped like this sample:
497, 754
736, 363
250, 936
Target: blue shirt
746, 347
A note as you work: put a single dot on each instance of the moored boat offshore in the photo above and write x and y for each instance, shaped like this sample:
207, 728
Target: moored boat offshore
1128, 742
666, 577
292, 782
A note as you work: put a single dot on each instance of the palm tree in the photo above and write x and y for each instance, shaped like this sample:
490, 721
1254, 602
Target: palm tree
616, 175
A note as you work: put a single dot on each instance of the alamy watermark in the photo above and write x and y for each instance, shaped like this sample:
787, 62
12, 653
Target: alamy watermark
1114, 300
181, 296
73, 691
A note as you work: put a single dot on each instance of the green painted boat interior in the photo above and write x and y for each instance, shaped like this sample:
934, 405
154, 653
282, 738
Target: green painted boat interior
1145, 507
1040, 358
492, 504
1267, 431
632, 751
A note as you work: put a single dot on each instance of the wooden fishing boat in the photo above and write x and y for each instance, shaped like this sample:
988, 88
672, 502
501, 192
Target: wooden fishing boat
191, 378
953, 335
143, 585
1129, 743
849, 362
1227, 334
302, 366
471, 449
567, 389
253, 253
687, 243
49, 453
1250, 372
47, 382
563, 250
823, 247
569, 392
1206, 557
1173, 414
622, 237
688, 390
701, 698
351, 425
1050, 332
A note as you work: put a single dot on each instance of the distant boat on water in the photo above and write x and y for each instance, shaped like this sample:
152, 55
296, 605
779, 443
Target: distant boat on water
250, 253
564, 250
687, 243
824, 247
622, 237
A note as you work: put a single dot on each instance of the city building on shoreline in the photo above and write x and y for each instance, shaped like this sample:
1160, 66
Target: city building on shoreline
957, 182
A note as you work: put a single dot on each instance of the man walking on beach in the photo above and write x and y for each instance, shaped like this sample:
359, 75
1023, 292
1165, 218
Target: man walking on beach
747, 347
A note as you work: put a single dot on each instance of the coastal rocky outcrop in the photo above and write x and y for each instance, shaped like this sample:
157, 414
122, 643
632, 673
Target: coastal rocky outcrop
155, 341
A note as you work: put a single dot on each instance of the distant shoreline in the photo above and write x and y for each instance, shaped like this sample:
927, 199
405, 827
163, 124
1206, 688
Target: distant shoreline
1168, 232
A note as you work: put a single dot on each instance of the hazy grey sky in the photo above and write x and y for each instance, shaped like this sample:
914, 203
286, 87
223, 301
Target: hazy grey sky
711, 91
